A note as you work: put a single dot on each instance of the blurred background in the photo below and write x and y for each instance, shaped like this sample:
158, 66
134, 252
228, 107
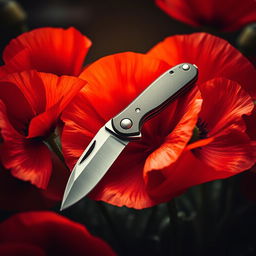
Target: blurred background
112, 25
217, 218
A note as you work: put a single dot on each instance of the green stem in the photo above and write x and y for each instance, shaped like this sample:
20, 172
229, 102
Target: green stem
53, 145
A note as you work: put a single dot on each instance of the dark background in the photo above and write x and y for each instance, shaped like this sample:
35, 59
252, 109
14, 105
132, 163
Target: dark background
213, 219
112, 25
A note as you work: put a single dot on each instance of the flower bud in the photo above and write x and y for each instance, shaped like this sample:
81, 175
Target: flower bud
247, 40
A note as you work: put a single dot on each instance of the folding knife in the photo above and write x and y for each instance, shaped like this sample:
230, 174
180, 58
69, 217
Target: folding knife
112, 138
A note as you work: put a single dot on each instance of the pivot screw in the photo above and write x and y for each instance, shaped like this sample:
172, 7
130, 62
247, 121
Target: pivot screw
126, 123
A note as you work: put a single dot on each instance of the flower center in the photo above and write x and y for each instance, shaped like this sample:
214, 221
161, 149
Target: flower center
202, 128
200, 131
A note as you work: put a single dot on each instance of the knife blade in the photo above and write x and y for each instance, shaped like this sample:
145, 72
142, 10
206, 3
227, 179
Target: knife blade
112, 138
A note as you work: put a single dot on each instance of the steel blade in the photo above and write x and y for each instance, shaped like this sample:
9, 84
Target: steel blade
92, 166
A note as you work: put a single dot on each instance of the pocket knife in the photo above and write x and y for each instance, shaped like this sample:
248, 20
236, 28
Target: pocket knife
112, 138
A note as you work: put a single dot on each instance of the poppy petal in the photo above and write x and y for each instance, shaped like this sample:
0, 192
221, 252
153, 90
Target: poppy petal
7, 131
59, 91
30, 85
28, 160
123, 184
50, 50
175, 142
213, 56
186, 172
224, 104
67, 237
21, 112
117, 75
231, 151
62, 88
17, 64
202, 13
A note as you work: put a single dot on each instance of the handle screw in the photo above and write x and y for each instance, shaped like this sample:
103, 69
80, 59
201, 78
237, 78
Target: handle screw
185, 67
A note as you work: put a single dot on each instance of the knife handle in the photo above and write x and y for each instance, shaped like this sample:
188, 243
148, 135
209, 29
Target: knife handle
166, 88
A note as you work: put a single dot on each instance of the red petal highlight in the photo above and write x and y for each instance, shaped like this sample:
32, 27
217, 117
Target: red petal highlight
30, 85
214, 57
59, 91
224, 104
28, 161
188, 171
175, 142
19, 113
123, 184
117, 75
50, 50
232, 152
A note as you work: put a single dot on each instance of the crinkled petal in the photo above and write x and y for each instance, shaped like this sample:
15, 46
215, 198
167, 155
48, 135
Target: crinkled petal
22, 101
28, 161
186, 172
123, 184
221, 120
214, 57
7, 130
126, 74
30, 85
51, 50
231, 151
59, 92
175, 142
62, 88
224, 104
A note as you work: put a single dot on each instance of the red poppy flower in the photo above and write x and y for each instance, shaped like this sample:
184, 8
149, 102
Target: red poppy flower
119, 79
221, 149
223, 15
50, 50
30, 106
46, 233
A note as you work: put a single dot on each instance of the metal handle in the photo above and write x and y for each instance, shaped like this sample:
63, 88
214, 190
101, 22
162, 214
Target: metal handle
154, 98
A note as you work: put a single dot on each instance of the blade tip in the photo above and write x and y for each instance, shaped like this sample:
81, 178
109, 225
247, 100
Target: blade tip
62, 207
